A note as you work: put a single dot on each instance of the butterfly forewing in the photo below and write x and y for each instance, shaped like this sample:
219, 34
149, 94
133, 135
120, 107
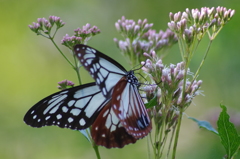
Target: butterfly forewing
106, 71
130, 109
75, 108
108, 131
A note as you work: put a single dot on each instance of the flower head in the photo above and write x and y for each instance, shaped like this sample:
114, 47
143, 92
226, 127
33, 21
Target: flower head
141, 38
170, 79
81, 36
44, 26
195, 23
65, 84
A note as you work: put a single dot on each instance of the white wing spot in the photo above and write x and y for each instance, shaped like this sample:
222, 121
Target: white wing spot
100, 76
93, 51
82, 122
55, 102
47, 117
71, 102
97, 66
75, 112
70, 119
35, 116
118, 97
96, 128
105, 113
115, 119
120, 116
64, 109
113, 128
91, 70
98, 81
55, 108
38, 120
103, 135
59, 116
108, 122
104, 91
77, 49
104, 72
32, 111
79, 55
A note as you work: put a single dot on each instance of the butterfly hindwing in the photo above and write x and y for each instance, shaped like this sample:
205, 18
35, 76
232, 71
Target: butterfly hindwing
130, 109
105, 71
108, 131
73, 108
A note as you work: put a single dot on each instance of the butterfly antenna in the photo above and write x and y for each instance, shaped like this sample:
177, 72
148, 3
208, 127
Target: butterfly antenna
140, 67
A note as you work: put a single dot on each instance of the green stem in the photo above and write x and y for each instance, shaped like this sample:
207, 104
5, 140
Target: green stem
51, 38
170, 143
181, 48
177, 134
95, 147
76, 68
160, 137
148, 146
201, 64
155, 140
133, 57
152, 144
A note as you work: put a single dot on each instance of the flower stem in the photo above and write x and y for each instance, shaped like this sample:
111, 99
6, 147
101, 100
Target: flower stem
148, 146
170, 143
177, 134
51, 38
201, 64
95, 147
76, 68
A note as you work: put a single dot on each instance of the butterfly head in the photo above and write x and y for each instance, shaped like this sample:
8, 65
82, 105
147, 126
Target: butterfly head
131, 78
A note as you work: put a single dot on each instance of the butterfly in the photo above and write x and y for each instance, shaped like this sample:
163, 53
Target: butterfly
112, 105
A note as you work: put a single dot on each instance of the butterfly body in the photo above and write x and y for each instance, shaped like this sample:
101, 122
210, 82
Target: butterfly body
112, 105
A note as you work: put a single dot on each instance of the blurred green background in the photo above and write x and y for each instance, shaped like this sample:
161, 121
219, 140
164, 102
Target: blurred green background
31, 68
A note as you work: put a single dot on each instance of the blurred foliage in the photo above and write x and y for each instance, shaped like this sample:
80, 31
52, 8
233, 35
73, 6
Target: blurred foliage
31, 68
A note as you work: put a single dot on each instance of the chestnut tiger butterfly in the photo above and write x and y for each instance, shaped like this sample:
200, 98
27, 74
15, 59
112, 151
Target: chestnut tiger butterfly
112, 105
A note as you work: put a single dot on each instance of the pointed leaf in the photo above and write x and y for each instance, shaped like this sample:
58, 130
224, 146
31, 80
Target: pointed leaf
228, 133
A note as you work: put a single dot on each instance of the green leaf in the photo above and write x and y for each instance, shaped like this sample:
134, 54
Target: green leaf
204, 124
228, 133
152, 102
